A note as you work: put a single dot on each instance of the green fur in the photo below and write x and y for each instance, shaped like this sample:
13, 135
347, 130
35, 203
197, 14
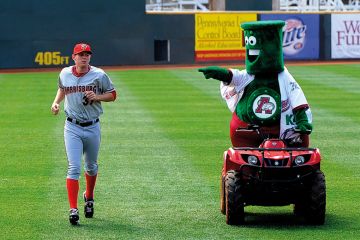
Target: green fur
244, 107
302, 121
218, 73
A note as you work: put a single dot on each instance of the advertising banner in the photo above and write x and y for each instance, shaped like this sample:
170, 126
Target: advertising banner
345, 36
300, 35
218, 36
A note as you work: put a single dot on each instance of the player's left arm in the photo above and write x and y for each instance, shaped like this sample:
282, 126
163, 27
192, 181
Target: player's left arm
108, 94
106, 97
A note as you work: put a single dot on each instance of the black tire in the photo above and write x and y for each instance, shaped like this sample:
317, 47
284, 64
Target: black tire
315, 211
299, 209
234, 204
222, 195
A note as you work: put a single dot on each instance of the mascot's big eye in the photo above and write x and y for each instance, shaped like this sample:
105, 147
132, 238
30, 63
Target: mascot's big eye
246, 40
252, 40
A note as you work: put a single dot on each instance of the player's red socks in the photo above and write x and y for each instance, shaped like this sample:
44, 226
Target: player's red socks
90, 185
72, 186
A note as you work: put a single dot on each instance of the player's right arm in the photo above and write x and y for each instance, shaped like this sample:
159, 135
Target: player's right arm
60, 95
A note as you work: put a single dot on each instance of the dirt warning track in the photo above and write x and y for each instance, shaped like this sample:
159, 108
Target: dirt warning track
174, 66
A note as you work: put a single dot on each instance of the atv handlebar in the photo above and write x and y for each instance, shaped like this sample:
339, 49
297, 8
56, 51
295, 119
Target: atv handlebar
252, 127
290, 136
257, 128
307, 132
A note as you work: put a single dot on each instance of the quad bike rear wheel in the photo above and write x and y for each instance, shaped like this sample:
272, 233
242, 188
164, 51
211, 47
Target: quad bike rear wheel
234, 204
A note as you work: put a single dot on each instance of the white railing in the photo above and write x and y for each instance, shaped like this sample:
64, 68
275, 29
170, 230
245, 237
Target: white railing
177, 5
319, 5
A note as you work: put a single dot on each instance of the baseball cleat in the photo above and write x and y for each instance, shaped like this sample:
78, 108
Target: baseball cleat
74, 216
88, 207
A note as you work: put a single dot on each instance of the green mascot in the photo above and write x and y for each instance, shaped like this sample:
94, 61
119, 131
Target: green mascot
264, 93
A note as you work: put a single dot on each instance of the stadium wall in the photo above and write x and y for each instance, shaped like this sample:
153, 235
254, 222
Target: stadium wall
254, 5
41, 34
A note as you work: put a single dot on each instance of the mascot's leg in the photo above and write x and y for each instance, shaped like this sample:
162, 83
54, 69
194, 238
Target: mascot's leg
242, 138
305, 140
271, 132
252, 138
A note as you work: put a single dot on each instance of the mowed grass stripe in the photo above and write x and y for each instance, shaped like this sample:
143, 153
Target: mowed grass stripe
25, 157
195, 120
336, 138
342, 77
333, 89
164, 192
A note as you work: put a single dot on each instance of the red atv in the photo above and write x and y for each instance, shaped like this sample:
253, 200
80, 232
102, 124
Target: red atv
273, 174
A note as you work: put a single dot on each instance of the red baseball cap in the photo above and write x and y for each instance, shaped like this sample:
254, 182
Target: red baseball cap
82, 47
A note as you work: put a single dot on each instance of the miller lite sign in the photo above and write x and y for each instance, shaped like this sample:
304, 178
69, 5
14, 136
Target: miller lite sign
301, 35
294, 36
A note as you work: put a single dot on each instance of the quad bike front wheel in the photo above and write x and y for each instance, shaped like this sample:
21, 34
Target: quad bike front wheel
234, 204
313, 206
222, 195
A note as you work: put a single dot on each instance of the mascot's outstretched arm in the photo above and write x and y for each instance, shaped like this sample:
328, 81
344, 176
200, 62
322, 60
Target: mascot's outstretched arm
218, 73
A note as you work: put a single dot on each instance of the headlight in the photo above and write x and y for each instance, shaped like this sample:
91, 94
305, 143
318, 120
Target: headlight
299, 160
253, 160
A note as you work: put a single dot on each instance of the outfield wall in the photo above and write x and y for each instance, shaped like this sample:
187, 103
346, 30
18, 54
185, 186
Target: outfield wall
42, 33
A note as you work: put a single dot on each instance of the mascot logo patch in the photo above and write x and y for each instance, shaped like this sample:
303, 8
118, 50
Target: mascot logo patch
264, 106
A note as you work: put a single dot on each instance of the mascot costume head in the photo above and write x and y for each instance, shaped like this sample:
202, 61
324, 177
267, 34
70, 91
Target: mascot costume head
263, 43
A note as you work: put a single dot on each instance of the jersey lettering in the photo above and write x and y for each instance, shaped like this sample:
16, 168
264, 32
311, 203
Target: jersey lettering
289, 119
86, 101
76, 89
285, 105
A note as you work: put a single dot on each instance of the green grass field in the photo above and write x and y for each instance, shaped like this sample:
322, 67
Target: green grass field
161, 156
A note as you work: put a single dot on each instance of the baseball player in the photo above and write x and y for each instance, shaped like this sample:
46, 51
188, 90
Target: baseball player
83, 87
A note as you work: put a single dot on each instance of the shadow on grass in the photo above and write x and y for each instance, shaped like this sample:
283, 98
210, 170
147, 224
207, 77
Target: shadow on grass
285, 220
109, 226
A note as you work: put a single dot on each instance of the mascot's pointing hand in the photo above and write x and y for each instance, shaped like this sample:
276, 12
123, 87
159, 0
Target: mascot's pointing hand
218, 73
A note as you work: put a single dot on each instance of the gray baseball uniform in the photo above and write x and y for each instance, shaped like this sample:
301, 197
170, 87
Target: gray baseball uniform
82, 127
